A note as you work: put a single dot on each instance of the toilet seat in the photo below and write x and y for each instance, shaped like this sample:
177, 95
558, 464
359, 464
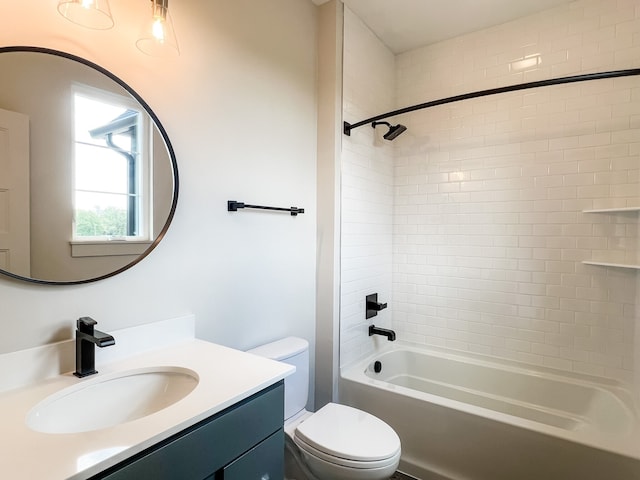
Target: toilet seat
348, 437
343, 462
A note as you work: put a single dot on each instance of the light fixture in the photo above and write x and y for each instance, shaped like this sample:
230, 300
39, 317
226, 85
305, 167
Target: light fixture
94, 14
158, 37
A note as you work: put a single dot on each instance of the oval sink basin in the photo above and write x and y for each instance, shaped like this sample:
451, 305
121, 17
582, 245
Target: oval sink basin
111, 400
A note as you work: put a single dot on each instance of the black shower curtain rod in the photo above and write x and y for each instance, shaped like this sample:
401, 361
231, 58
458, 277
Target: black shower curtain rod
347, 127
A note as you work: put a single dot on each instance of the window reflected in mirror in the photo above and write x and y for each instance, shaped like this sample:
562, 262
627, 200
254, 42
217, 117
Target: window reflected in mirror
111, 168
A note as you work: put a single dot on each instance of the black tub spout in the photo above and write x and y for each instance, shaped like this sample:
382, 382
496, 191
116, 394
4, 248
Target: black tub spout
390, 334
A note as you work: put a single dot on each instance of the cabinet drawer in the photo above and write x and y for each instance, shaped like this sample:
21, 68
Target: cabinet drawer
206, 447
263, 462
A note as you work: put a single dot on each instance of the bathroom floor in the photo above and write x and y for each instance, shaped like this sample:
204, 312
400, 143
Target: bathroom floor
401, 476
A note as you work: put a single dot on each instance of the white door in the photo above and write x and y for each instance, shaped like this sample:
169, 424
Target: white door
14, 193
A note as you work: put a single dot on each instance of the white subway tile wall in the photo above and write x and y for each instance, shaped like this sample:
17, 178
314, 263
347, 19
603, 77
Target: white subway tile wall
367, 188
491, 196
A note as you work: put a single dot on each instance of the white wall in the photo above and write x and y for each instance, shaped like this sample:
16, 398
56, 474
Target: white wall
239, 105
489, 233
330, 28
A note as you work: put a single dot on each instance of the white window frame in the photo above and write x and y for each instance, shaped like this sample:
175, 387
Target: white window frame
106, 245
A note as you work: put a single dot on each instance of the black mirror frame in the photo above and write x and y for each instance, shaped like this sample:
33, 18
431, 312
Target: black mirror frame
165, 137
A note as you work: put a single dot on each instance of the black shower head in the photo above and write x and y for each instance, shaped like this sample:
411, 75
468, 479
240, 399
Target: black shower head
394, 130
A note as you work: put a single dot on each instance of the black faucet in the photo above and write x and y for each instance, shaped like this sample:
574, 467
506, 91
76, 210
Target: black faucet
390, 334
86, 339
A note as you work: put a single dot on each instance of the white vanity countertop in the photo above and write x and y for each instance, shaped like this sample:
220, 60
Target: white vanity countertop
226, 376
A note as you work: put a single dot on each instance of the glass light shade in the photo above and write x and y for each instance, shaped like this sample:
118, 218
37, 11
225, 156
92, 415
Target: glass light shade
158, 38
94, 14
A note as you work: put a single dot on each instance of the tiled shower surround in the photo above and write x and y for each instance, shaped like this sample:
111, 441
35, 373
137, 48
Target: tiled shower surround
483, 204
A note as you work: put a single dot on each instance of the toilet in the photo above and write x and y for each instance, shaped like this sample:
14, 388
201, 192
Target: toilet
335, 443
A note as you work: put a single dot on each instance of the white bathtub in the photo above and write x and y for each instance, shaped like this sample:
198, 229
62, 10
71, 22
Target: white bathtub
469, 417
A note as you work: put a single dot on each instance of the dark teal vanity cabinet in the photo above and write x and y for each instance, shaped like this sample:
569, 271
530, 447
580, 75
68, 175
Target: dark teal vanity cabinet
242, 442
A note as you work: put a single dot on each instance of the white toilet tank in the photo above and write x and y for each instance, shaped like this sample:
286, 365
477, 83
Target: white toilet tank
293, 351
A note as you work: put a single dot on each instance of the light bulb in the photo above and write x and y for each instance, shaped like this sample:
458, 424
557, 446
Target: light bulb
158, 37
158, 29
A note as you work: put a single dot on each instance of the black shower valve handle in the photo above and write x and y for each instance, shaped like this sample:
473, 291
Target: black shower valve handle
379, 306
373, 306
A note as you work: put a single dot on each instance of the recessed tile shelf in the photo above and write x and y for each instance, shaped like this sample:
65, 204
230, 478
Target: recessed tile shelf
613, 210
611, 264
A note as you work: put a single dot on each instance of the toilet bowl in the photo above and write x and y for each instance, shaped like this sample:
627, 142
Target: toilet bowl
336, 442
340, 442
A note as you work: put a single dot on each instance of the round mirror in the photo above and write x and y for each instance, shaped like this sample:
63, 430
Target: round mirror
88, 177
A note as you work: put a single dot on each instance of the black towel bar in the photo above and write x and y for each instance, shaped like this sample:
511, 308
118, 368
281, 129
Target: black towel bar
233, 206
